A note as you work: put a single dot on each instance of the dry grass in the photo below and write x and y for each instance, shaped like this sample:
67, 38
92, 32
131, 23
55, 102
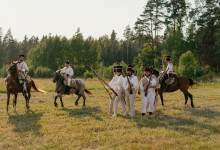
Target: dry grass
175, 126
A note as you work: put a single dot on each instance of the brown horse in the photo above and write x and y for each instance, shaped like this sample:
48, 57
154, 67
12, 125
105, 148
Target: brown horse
13, 87
181, 83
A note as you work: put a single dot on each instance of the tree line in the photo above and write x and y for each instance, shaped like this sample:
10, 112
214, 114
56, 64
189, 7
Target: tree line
191, 36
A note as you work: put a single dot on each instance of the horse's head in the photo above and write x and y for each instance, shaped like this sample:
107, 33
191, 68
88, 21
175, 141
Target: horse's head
57, 76
13, 67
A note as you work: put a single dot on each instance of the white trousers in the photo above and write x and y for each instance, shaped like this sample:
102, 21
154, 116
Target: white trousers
112, 103
149, 99
130, 101
118, 99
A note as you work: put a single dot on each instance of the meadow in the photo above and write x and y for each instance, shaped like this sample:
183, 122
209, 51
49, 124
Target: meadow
174, 126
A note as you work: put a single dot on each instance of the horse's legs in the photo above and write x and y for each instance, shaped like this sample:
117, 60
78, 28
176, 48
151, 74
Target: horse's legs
61, 101
8, 95
26, 99
191, 97
186, 98
15, 102
79, 96
84, 100
55, 101
161, 97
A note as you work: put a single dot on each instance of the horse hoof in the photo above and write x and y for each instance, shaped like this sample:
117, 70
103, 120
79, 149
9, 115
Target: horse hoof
6, 112
55, 104
84, 105
193, 106
62, 106
76, 104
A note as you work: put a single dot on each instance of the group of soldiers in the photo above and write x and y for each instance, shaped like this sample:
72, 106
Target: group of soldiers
125, 87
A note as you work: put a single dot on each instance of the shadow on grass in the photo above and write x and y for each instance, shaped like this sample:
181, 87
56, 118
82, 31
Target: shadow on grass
27, 122
207, 113
180, 124
85, 111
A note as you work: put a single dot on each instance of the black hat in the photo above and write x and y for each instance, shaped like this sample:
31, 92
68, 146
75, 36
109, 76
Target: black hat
67, 62
148, 69
118, 68
21, 55
130, 68
168, 58
114, 70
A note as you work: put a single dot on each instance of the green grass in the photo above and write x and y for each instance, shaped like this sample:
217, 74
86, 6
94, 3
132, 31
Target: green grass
174, 126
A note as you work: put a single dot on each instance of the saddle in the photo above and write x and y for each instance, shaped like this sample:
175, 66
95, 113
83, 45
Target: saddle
170, 80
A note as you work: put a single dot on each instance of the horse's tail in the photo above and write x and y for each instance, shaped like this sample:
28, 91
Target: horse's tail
33, 86
88, 92
191, 82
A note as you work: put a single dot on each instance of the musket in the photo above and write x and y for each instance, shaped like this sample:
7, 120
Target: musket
128, 82
103, 82
148, 85
162, 63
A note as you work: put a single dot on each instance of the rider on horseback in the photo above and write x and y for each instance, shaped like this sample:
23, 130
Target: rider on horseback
68, 76
168, 73
23, 78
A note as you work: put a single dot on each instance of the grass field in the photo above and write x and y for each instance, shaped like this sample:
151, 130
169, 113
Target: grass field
174, 126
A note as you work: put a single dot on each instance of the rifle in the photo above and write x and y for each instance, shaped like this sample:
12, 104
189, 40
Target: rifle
148, 85
128, 83
104, 83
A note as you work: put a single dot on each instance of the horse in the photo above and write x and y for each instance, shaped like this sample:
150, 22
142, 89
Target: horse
13, 87
181, 83
60, 88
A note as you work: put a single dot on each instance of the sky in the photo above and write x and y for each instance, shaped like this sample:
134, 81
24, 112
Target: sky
63, 17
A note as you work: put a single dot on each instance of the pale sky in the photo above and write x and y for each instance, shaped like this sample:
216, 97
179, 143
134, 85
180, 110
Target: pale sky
63, 17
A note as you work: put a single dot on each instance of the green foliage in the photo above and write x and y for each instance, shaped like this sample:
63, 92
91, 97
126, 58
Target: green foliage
3, 72
88, 74
43, 72
189, 66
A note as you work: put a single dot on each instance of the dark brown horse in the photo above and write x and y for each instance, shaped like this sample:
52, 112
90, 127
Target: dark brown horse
181, 83
13, 87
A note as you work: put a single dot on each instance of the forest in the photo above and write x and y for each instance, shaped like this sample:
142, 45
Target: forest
189, 34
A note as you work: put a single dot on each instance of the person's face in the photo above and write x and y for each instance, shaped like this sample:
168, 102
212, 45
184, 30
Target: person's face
118, 73
21, 58
167, 62
67, 65
147, 73
128, 72
114, 73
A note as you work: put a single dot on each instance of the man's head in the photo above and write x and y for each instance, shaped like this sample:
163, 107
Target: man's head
130, 70
114, 70
147, 71
118, 70
21, 57
168, 58
67, 63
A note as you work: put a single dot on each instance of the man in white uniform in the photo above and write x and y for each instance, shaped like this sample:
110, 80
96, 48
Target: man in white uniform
118, 85
68, 76
148, 85
23, 78
169, 73
114, 80
130, 85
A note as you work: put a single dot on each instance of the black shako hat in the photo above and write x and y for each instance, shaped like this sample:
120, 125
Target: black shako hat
168, 58
130, 68
114, 70
148, 69
118, 68
67, 62
21, 55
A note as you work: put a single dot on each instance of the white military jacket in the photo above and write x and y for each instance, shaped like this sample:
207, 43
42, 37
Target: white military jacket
151, 87
69, 71
133, 79
118, 85
114, 80
169, 68
22, 66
